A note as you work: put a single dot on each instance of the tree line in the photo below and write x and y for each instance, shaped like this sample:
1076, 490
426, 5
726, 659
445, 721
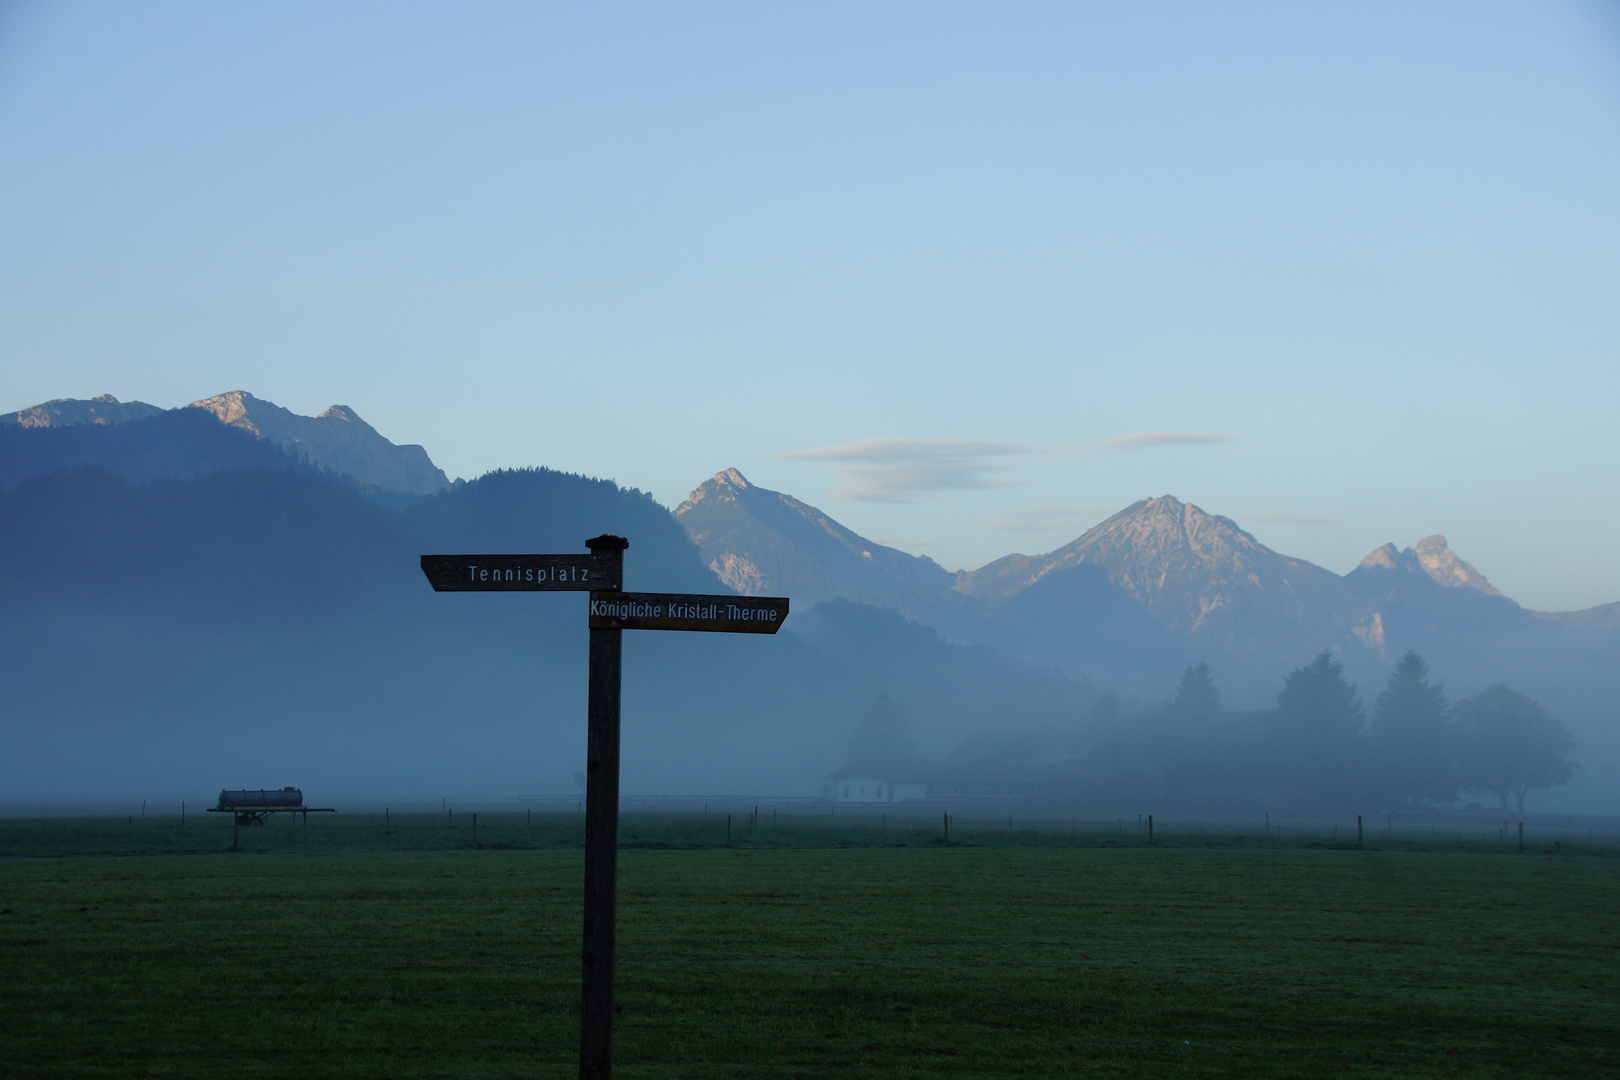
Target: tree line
1320, 747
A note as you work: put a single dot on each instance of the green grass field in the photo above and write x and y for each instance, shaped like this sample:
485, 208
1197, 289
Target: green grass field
808, 950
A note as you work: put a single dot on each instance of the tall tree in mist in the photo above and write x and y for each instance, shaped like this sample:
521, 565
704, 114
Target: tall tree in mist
883, 736
1507, 745
1318, 706
1196, 694
1322, 737
1411, 742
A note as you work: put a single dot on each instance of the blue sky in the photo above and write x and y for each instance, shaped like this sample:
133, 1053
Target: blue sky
968, 277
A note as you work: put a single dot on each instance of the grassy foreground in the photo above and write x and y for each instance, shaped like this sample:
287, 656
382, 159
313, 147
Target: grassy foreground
1032, 959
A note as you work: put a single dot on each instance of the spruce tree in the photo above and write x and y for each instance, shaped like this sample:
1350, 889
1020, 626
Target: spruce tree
1196, 694
1410, 737
1318, 706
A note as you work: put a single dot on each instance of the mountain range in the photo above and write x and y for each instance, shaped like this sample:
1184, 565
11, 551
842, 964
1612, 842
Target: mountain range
1159, 584
337, 439
1126, 605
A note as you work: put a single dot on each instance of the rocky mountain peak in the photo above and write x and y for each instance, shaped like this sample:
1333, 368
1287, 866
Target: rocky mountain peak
104, 410
760, 541
1433, 557
1383, 558
233, 409
1194, 571
1443, 565
337, 439
712, 488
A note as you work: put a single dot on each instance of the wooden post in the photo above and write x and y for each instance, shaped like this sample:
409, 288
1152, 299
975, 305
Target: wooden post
1358, 831
475, 828
601, 833
728, 829
947, 818
236, 833
450, 817
388, 822
528, 818
1150, 828
1521, 838
182, 813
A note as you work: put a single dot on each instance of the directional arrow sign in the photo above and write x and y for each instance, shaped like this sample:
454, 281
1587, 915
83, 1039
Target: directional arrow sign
522, 573
601, 573
685, 611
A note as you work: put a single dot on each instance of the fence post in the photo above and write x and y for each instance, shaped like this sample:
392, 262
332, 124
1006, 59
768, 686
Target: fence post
728, 828
1150, 828
1358, 830
947, 818
475, 828
1521, 838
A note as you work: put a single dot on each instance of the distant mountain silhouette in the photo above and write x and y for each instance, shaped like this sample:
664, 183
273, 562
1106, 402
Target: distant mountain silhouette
186, 634
174, 444
337, 440
104, 410
1430, 556
762, 542
232, 575
1163, 583
1200, 576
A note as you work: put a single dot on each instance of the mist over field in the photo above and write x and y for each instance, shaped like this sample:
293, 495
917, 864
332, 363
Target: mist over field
189, 607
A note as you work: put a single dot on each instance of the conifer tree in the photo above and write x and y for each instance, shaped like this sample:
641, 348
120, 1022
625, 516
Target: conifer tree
1410, 737
1318, 706
1196, 694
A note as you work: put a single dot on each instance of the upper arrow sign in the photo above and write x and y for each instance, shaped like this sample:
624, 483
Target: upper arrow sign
522, 573
683, 611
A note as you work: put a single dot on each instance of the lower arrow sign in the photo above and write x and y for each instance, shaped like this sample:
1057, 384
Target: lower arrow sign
685, 611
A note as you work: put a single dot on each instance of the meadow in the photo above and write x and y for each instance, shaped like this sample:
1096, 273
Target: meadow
354, 948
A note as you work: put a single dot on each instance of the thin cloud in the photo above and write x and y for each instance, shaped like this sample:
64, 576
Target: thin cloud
1292, 519
873, 451
1045, 519
907, 480
900, 470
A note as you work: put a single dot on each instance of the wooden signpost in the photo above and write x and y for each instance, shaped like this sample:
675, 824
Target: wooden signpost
601, 573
